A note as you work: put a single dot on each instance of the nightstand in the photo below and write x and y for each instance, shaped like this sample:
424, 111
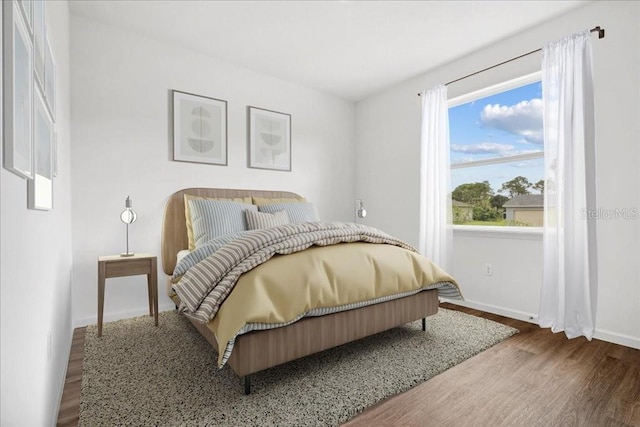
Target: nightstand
119, 266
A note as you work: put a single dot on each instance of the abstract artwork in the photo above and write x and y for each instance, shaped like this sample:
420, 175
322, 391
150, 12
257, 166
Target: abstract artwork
199, 129
269, 139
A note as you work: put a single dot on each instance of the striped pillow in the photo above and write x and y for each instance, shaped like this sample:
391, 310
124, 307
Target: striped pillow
215, 218
260, 220
187, 212
298, 212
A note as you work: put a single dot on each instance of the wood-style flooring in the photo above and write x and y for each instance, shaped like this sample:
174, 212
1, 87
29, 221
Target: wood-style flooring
534, 378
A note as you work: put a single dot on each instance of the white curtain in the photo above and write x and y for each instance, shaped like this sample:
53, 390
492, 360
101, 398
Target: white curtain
435, 200
570, 279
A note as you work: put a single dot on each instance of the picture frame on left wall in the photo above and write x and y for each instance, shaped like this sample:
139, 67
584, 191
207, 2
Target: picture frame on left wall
199, 129
27, 9
49, 80
40, 188
17, 92
39, 35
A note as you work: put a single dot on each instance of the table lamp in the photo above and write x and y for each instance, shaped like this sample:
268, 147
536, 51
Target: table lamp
128, 216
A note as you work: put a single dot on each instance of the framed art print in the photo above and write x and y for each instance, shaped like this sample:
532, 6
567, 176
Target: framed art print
49, 80
39, 32
25, 6
199, 129
40, 188
17, 92
269, 139
54, 156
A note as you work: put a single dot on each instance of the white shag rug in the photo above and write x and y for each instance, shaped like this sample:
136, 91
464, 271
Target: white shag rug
139, 375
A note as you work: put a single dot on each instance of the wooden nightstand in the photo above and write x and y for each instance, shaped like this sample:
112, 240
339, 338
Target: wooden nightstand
119, 266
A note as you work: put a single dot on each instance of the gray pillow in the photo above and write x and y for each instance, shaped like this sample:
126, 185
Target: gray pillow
298, 212
215, 218
260, 220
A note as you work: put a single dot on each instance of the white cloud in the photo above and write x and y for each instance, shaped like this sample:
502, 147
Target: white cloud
483, 148
523, 119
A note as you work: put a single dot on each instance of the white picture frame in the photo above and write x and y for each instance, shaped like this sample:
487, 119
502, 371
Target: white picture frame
17, 92
49, 80
269, 138
40, 188
55, 152
27, 11
199, 129
39, 32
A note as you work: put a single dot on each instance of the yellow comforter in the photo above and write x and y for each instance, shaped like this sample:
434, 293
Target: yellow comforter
288, 286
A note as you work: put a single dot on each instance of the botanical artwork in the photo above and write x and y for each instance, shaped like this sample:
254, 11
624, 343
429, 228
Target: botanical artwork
41, 186
269, 139
18, 94
200, 129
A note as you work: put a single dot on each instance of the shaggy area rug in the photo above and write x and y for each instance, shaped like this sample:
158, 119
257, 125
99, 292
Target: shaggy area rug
137, 374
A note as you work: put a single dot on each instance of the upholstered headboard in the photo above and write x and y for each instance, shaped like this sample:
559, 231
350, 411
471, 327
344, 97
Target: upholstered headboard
174, 226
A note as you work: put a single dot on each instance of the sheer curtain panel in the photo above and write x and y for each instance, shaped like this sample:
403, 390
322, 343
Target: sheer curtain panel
436, 236
570, 278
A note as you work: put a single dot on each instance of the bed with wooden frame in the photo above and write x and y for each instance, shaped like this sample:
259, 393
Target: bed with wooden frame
259, 350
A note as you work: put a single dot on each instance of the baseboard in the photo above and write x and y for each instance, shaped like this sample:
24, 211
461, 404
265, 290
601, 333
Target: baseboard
513, 314
600, 334
616, 338
110, 317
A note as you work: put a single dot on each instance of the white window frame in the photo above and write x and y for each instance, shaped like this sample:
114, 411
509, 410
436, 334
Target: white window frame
507, 230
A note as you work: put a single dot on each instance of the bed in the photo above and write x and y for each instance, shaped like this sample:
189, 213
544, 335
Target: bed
257, 350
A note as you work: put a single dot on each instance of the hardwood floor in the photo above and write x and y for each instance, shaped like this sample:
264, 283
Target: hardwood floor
534, 378
69, 413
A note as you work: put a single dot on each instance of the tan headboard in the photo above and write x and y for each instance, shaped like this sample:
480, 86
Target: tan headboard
174, 225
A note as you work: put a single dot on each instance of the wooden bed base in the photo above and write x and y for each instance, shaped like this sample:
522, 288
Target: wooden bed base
259, 350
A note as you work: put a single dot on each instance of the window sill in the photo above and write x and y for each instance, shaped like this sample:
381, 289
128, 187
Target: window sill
498, 232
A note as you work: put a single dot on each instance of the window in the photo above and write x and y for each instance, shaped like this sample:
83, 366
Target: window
497, 155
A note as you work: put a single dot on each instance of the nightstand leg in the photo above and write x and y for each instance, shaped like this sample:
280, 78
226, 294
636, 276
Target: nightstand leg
101, 279
153, 279
150, 293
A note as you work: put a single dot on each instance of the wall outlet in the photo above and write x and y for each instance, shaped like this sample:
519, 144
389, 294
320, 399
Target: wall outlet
488, 270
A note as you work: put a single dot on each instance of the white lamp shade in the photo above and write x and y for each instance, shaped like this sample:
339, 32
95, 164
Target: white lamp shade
128, 216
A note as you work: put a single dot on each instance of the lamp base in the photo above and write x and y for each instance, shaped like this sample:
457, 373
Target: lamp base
128, 254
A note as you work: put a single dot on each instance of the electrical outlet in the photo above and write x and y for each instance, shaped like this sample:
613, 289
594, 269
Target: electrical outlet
488, 270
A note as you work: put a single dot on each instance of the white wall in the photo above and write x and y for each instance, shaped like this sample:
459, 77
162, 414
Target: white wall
35, 254
387, 171
121, 145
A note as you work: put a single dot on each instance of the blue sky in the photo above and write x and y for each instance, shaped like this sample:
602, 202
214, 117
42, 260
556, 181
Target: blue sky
499, 125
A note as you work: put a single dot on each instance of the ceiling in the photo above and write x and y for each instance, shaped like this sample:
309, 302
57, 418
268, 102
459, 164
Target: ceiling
349, 48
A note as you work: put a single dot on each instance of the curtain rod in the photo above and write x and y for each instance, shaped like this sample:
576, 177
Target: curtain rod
597, 29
